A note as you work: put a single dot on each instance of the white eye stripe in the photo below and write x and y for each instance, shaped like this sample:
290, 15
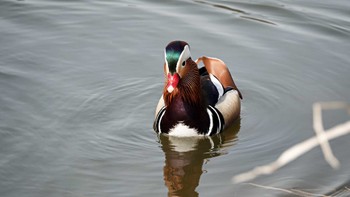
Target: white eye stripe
183, 57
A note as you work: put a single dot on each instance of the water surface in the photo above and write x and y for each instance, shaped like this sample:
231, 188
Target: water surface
79, 82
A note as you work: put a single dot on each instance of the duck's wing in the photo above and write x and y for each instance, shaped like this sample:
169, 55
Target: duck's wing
212, 89
219, 69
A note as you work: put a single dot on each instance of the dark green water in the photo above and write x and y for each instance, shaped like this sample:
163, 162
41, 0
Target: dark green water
79, 82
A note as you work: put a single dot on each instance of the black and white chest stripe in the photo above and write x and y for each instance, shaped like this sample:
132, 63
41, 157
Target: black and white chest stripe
157, 121
216, 121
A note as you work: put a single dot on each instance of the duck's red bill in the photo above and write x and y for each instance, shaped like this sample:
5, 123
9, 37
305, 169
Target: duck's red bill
173, 80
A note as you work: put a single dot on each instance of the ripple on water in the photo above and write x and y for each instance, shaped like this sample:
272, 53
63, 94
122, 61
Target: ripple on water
272, 120
120, 117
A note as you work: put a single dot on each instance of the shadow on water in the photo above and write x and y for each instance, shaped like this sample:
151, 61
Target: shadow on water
184, 158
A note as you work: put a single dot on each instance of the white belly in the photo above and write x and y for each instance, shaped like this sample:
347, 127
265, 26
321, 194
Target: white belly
182, 130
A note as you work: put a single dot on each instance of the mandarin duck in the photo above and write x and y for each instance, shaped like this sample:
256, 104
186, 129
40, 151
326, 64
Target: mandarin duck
195, 101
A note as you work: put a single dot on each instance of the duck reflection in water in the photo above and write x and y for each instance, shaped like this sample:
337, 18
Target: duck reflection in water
184, 158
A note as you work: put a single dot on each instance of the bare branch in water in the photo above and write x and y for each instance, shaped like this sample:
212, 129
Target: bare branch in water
322, 138
320, 133
291, 191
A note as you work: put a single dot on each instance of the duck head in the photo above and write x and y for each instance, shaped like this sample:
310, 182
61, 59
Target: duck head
176, 55
181, 73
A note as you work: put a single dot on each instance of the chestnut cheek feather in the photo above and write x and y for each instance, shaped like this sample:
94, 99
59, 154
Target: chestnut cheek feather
173, 80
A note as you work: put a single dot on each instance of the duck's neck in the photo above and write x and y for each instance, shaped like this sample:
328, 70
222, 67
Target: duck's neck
189, 88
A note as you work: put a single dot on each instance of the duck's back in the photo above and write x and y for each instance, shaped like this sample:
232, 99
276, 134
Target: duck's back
217, 68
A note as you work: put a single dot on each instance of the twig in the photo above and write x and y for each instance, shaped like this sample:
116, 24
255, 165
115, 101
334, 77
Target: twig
273, 188
300, 148
320, 134
291, 191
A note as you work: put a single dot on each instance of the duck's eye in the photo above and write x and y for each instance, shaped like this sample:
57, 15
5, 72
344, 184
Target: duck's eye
183, 63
